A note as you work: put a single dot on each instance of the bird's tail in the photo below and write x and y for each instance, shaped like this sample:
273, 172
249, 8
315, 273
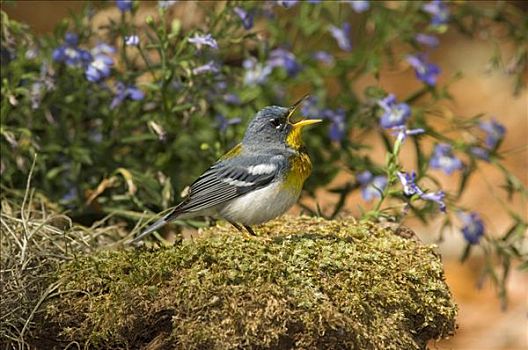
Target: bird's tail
158, 224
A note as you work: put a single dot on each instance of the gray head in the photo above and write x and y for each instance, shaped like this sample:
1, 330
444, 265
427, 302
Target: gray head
272, 128
269, 126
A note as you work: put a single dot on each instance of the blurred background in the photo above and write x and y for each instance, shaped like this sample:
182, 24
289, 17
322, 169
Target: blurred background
483, 322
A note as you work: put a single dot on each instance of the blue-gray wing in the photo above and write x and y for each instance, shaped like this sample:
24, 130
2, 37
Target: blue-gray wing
224, 181
229, 179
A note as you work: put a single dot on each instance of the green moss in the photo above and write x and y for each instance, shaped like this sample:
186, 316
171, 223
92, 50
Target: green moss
309, 283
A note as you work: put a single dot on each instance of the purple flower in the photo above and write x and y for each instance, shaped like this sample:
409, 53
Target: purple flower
480, 153
102, 48
337, 123
232, 99
71, 39
284, 58
494, 132
287, 3
323, 56
426, 72
427, 40
124, 5
396, 114
210, 66
256, 73
371, 186
444, 159
438, 10
309, 108
437, 197
165, 4
70, 54
132, 40
342, 36
124, 92
473, 228
359, 5
410, 188
408, 182
203, 40
99, 68
364, 177
223, 123
246, 17
402, 132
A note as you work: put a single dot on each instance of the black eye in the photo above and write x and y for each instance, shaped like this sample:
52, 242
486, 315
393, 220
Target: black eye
276, 122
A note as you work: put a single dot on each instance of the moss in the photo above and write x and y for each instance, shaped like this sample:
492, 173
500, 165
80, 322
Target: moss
309, 283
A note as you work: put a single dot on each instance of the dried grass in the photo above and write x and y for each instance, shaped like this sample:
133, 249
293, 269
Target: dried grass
34, 240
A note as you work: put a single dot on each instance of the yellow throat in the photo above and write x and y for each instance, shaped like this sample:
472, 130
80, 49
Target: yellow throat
300, 164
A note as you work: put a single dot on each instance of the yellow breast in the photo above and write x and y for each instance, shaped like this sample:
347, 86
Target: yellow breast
299, 170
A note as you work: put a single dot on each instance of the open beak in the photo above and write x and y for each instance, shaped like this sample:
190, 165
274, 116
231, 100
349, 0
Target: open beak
304, 122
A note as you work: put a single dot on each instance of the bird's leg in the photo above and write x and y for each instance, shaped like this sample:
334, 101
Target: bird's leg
250, 230
237, 226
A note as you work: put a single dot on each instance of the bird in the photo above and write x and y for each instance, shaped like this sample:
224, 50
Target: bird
257, 180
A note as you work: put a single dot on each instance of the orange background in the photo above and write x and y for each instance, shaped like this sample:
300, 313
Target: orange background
482, 323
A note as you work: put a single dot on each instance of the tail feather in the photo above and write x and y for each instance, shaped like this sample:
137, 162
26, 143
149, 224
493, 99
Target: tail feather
158, 224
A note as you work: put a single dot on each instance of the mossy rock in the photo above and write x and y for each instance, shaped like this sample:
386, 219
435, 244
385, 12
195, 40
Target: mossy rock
305, 283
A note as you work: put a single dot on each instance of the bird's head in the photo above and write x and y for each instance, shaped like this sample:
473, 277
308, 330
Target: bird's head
274, 126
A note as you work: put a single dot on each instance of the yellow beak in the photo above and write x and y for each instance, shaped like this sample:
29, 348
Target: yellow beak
304, 122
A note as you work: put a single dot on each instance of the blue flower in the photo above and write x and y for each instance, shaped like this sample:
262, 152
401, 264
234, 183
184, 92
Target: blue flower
359, 5
480, 153
285, 59
396, 114
124, 5
246, 17
408, 182
223, 123
427, 40
371, 186
410, 188
336, 117
71, 39
124, 92
323, 56
426, 72
438, 10
494, 132
337, 123
132, 40
165, 4
309, 108
102, 48
437, 197
473, 227
209, 67
256, 73
70, 54
444, 159
342, 36
402, 132
99, 68
287, 3
232, 99
203, 40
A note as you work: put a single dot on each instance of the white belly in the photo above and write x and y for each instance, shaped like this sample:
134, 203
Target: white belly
259, 206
